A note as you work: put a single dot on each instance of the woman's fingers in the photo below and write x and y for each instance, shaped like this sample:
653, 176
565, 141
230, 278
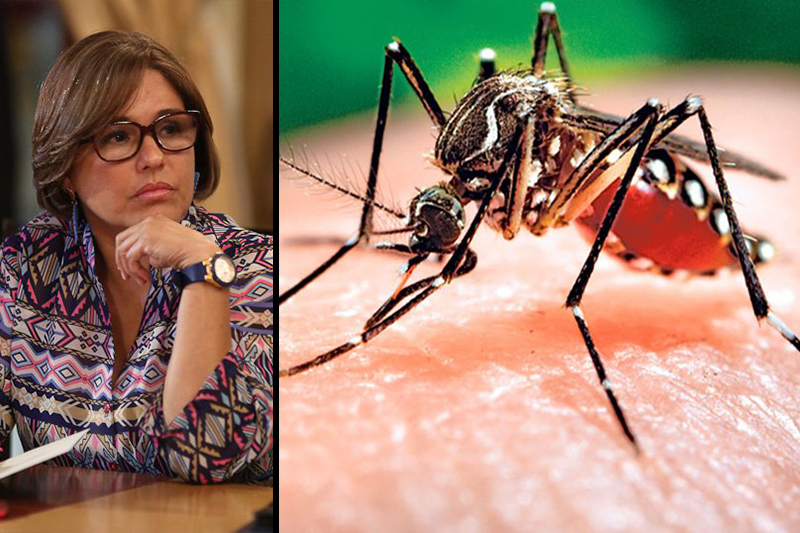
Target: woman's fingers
133, 255
138, 263
125, 241
158, 242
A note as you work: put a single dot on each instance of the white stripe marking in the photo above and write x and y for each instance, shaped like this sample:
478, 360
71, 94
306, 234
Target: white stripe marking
555, 146
491, 120
722, 222
776, 323
695, 193
486, 55
766, 251
536, 172
355, 341
694, 104
659, 169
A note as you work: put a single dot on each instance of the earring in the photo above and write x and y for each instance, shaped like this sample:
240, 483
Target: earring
74, 214
196, 180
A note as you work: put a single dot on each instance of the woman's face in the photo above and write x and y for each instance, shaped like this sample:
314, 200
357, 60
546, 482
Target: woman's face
115, 195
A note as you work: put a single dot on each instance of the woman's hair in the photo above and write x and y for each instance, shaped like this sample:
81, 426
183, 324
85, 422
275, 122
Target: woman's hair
88, 85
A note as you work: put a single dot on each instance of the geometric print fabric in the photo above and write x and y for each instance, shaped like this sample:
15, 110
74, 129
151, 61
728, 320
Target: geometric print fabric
56, 360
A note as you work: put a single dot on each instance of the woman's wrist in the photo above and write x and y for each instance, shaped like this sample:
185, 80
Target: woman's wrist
199, 253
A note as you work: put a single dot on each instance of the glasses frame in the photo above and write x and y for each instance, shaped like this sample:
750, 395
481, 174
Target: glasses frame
144, 130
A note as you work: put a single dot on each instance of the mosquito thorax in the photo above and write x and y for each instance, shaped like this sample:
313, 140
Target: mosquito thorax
479, 132
438, 218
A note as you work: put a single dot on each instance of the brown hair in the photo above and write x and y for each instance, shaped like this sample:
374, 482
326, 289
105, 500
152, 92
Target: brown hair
89, 84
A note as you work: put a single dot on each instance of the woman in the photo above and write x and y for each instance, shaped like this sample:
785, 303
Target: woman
126, 309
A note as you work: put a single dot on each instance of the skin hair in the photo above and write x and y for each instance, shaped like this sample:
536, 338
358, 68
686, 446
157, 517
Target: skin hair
88, 85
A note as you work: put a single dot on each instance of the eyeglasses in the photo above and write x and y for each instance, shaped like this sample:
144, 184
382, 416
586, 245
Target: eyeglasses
173, 132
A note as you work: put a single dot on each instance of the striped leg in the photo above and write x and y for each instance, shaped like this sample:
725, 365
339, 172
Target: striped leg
676, 116
650, 112
395, 54
546, 26
757, 298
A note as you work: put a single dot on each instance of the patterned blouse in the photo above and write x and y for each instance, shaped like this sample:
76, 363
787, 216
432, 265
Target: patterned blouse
57, 359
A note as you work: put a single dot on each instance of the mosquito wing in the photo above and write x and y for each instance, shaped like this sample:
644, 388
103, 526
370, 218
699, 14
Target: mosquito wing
589, 119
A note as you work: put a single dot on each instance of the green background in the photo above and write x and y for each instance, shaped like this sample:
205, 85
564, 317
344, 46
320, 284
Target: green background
331, 53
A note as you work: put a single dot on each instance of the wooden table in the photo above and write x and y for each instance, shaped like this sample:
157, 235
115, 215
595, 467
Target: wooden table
50, 498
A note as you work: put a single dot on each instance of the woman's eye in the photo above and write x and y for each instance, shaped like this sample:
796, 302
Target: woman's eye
169, 128
115, 137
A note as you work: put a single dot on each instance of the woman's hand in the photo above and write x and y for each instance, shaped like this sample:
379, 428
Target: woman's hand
159, 242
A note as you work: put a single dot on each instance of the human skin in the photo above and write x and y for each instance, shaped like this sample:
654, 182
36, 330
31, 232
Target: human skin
133, 232
480, 410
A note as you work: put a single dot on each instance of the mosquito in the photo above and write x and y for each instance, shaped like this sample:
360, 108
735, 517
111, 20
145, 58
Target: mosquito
521, 147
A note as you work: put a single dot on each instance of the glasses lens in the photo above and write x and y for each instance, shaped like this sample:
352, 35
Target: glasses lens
176, 132
117, 141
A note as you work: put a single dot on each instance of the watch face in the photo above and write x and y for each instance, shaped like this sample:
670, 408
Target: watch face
224, 269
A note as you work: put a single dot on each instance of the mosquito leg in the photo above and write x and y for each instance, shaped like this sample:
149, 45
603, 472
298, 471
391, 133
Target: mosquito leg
413, 74
669, 122
487, 69
515, 202
547, 25
457, 262
395, 53
757, 297
575, 295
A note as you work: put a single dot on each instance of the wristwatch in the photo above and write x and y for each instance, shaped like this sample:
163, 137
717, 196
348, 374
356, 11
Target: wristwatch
217, 270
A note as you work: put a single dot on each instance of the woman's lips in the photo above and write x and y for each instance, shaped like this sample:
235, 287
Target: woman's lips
155, 191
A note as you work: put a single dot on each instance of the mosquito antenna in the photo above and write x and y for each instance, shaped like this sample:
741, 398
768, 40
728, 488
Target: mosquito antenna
339, 188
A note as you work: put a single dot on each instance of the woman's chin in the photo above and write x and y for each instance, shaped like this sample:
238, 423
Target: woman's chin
170, 208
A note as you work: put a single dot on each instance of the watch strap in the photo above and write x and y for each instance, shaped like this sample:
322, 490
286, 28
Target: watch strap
193, 273
206, 270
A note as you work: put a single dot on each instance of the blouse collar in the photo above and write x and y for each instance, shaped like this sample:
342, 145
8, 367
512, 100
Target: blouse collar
88, 252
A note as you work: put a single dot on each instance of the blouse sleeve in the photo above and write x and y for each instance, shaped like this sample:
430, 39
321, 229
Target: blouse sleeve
8, 284
226, 431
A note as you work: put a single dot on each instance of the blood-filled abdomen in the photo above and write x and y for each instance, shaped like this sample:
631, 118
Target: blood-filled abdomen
668, 221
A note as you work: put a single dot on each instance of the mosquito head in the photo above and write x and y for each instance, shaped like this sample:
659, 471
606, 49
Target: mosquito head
438, 217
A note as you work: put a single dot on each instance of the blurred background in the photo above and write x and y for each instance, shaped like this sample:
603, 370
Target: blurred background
227, 46
331, 53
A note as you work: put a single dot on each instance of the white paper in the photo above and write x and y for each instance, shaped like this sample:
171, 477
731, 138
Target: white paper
40, 454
